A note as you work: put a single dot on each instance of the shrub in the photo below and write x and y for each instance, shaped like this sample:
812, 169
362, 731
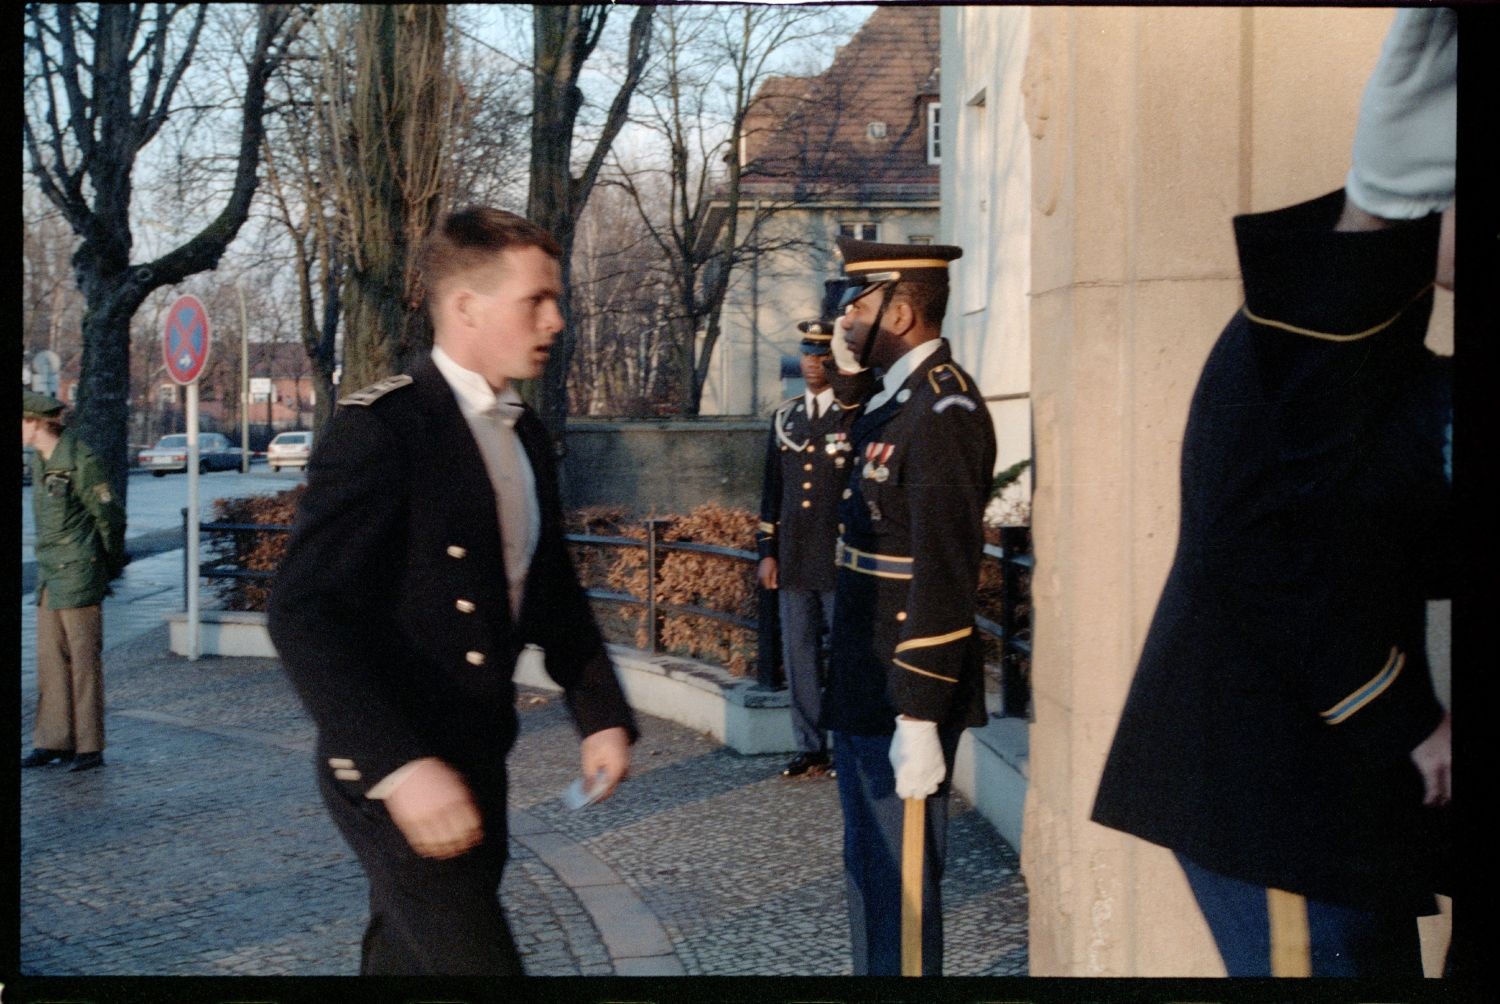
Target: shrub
249, 549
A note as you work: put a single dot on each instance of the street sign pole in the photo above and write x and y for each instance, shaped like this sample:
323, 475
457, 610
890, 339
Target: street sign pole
185, 343
244, 384
194, 647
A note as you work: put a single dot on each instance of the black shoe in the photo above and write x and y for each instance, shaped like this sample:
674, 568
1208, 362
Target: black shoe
86, 761
810, 764
41, 757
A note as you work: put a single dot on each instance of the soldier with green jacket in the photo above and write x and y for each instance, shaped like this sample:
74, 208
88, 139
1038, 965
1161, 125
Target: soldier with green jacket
80, 547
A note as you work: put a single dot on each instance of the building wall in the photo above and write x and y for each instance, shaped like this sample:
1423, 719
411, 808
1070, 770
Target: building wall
1147, 129
986, 210
765, 302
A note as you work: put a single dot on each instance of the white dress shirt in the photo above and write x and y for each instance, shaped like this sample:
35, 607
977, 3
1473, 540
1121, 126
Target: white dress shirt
492, 417
899, 371
823, 400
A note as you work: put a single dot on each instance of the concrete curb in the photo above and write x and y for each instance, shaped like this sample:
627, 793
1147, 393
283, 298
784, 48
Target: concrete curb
637, 943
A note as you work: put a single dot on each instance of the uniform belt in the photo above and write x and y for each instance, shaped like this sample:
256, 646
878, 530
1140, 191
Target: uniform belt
884, 565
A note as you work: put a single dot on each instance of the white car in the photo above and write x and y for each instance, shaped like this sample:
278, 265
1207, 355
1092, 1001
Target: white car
215, 453
289, 449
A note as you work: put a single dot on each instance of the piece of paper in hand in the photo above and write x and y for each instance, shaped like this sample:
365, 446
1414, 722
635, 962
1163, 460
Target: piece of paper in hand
577, 795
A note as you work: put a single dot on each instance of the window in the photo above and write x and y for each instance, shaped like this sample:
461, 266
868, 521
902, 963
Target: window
166, 393
919, 239
860, 230
934, 137
875, 130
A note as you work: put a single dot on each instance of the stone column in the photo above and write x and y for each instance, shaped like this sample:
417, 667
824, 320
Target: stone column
1150, 129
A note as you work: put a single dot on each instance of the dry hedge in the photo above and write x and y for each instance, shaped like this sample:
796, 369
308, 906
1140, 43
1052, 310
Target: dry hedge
682, 578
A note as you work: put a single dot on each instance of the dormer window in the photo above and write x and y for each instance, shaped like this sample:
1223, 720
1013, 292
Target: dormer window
875, 130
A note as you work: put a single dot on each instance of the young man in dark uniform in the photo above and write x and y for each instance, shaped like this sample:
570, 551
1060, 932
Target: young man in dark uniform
428, 551
906, 671
806, 469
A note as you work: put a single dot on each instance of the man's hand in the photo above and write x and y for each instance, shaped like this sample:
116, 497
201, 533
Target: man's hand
1434, 759
765, 572
843, 355
435, 811
608, 752
916, 757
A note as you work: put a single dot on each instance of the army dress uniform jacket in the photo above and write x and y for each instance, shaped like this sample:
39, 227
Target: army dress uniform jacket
807, 466
912, 536
1284, 681
390, 610
80, 526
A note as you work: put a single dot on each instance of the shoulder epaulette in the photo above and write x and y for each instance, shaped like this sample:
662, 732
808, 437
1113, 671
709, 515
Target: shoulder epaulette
946, 373
377, 390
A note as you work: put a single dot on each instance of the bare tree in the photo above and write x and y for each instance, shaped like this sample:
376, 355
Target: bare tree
397, 147
564, 37
698, 100
100, 81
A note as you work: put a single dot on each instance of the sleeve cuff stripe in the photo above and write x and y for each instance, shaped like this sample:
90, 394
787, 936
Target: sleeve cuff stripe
1341, 711
922, 672
935, 640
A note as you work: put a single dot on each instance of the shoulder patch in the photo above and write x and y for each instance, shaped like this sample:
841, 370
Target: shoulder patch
962, 400
377, 390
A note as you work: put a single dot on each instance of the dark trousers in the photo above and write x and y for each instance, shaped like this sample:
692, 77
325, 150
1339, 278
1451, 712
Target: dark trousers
873, 818
1324, 939
806, 621
427, 917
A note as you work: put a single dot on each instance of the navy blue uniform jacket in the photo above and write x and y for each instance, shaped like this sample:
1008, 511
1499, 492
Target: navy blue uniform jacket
807, 466
1284, 679
912, 536
390, 612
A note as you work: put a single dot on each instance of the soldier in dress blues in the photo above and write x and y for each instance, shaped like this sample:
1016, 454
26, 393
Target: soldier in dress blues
905, 673
808, 456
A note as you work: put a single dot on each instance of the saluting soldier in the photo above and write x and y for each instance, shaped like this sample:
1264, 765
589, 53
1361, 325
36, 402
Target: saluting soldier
906, 671
80, 548
807, 466
428, 551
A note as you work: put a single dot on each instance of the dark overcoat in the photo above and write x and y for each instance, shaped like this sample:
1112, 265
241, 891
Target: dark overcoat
911, 539
1284, 679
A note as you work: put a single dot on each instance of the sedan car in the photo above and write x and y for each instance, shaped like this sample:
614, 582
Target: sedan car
289, 449
215, 453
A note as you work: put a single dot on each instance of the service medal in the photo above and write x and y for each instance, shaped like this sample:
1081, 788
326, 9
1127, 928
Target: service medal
881, 473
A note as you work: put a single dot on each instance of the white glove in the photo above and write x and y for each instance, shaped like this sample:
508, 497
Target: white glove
917, 758
1405, 143
843, 355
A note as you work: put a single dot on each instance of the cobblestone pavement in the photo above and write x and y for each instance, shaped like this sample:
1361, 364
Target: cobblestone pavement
202, 849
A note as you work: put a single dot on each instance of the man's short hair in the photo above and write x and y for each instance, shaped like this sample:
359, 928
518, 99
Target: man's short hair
928, 300
470, 238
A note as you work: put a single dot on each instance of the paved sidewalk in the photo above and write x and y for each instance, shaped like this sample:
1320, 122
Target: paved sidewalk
202, 848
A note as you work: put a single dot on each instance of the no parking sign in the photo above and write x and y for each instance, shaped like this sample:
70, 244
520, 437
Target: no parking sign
184, 339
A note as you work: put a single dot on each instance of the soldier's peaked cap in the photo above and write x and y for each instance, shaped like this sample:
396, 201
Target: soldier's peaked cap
819, 332
868, 264
40, 405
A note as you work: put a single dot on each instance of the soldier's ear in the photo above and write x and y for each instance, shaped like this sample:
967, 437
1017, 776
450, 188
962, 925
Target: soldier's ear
901, 317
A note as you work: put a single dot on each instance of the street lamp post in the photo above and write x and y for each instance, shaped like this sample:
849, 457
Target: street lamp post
244, 384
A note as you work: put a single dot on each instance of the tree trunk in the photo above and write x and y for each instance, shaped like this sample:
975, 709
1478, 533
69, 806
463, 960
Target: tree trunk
399, 126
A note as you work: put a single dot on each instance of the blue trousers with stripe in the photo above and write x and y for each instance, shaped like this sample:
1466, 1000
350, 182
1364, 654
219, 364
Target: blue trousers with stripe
873, 823
1250, 924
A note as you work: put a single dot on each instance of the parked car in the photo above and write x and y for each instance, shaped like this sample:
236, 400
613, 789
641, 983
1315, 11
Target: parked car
289, 449
215, 453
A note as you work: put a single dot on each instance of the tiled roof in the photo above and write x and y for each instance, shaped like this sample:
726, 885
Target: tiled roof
813, 133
